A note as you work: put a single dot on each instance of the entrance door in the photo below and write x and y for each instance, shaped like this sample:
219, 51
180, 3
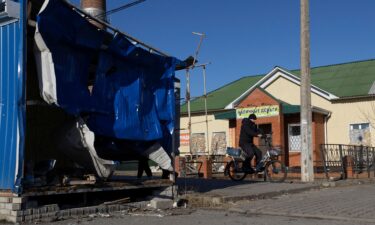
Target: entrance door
294, 137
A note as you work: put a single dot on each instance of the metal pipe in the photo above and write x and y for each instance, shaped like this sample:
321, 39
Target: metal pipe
205, 100
188, 106
95, 8
188, 84
205, 107
198, 48
203, 64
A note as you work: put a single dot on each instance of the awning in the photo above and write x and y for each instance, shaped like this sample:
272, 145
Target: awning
231, 114
290, 109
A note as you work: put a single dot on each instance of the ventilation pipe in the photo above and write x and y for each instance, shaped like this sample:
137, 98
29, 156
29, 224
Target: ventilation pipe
95, 8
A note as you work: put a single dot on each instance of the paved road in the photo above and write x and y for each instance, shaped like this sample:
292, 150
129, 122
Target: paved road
204, 217
344, 205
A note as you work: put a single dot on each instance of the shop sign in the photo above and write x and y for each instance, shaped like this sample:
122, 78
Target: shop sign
184, 139
259, 111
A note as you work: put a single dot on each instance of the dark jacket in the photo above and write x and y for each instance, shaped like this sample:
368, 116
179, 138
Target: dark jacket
249, 130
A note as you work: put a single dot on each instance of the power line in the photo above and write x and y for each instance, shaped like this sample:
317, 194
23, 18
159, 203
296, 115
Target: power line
128, 5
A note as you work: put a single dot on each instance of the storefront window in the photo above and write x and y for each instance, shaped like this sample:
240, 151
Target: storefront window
294, 137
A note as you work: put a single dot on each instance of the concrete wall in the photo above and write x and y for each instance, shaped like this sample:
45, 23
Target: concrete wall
199, 126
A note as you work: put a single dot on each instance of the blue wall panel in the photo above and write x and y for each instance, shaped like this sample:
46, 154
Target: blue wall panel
11, 95
9, 40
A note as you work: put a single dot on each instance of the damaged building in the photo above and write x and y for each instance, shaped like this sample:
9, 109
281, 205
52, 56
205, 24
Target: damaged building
78, 97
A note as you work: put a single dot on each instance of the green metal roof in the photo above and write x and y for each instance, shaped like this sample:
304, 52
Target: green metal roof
343, 80
221, 97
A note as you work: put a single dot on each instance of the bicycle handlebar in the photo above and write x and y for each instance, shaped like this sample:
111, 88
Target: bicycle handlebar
267, 139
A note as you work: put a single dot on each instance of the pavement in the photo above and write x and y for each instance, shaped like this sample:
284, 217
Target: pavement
354, 203
250, 202
216, 192
343, 200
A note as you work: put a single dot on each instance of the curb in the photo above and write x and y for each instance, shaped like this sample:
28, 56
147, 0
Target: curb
214, 201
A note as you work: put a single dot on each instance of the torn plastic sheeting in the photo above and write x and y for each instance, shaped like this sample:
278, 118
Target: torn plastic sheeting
132, 96
76, 141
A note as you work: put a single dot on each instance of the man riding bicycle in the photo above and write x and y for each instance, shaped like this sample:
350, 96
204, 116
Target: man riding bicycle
249, 130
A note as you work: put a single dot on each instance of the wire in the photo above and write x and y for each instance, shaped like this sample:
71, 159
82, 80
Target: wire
120, 8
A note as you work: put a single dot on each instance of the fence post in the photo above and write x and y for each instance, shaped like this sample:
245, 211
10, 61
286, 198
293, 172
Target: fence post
360, 159
180, 166
343, 172
373, 159
367, 163
322, 148
206, 166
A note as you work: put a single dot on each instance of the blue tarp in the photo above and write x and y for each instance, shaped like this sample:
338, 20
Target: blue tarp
133, 94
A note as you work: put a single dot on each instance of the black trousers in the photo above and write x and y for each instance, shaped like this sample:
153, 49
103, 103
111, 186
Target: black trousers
251, 151
143, 166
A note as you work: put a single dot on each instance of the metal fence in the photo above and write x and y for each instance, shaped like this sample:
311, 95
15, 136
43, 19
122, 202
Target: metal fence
191, 165
342, 158
218, 163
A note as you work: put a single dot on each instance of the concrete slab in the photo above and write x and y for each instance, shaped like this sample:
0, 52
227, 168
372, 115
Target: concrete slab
161, 203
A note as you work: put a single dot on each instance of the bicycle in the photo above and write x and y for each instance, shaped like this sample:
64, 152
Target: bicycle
274, 170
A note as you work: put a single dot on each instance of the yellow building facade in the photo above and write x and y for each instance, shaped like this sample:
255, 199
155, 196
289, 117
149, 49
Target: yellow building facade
343, 105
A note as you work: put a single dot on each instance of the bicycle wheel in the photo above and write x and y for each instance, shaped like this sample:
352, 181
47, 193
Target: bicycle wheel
275, 171
235, 171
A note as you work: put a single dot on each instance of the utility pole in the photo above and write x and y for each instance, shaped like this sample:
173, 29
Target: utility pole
307, 170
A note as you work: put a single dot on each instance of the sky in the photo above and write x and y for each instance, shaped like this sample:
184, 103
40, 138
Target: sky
249, 37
